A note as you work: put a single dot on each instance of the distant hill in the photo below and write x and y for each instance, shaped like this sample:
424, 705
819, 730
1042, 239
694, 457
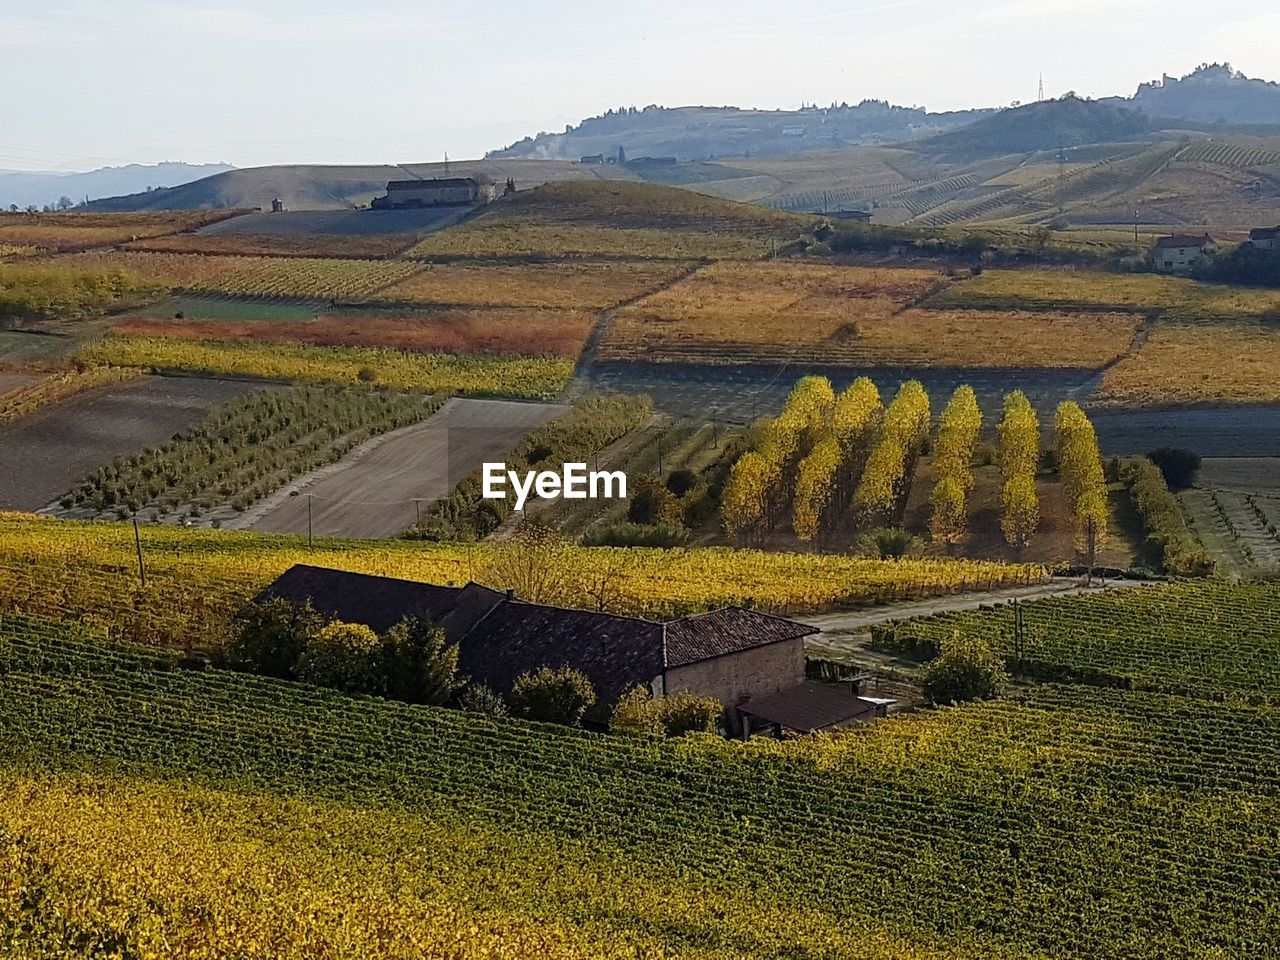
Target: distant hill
24, 188
1047, 125
709, 133
308, 187
1211, 94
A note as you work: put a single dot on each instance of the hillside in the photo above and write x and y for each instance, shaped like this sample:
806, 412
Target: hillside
47, 187
1211, 94
702, 133
1047, 125
311, 187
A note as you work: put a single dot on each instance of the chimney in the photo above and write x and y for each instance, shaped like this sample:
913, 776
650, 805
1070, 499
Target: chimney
511, 593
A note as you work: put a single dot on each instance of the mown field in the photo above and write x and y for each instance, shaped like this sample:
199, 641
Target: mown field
1064, 822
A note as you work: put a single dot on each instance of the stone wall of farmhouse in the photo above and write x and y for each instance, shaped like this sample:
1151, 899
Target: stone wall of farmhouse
736, 677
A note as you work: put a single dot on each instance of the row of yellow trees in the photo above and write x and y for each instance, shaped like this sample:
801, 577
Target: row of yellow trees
826, 475
904, 434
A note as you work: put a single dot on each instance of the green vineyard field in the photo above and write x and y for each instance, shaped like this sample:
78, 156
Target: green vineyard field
1066, 823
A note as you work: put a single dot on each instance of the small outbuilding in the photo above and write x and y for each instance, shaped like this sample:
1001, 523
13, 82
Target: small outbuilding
1265, 238
810, 707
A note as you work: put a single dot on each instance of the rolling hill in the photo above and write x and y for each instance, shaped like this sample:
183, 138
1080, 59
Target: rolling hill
46, 187
314, 187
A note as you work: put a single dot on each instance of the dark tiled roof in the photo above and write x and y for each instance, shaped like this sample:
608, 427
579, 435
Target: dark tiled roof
810, 706
379, 602
501, 638
514, 637
730, 630
432, 182
1184, 240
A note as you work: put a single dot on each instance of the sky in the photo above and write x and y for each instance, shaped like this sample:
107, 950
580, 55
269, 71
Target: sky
90, 84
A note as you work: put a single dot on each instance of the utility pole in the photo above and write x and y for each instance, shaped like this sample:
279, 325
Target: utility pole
310, 541
137, 542
1040, 94
1135, 227
417, 506
446, 163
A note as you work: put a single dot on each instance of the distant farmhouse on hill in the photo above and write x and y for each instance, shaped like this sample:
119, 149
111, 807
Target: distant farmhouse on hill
751, 662
435, 192
1180, 252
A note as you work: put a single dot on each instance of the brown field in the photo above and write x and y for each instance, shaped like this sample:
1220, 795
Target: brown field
1197, 364
370, 247
371, 491
765, 308
83, 231
569, 285
528, 332
912, 337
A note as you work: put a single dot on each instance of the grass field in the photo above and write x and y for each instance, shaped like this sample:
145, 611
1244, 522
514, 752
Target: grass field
503, 331
563, 285
82, 231
1172, 297
1197, 364
25, 346
486, 376
1068, 822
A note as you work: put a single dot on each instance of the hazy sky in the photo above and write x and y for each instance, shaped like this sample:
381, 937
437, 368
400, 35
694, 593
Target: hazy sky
276, 81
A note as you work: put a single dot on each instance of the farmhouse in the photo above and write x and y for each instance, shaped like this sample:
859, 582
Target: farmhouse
437, 192
1180, 251
1265, 238
735, 655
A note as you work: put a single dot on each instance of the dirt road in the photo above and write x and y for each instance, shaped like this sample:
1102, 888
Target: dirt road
861, 621
372, 491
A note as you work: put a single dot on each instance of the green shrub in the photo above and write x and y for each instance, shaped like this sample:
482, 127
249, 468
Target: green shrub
419, 665
637, 535
638, 714
652, 503
269, 636
1178, 466
886, 543
478, 698
344, 656
1168, 538
553, 696
966, 669
680, 482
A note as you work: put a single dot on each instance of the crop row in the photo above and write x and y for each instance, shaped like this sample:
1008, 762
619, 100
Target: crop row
247, 448
1072, 823
1214, 639
196, 578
